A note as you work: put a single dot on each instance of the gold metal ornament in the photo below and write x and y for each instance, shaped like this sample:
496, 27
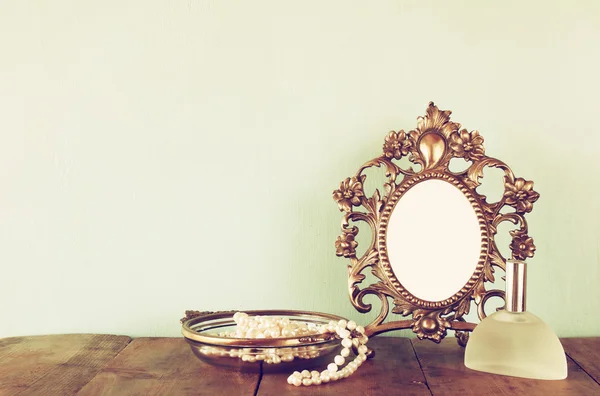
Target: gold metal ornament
434, 142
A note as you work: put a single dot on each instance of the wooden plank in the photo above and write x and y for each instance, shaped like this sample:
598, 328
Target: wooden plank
167, 366
586, 353
393, 371
446, 374
54, 364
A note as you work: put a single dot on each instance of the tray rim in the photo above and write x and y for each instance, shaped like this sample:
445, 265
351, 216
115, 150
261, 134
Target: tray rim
191, 335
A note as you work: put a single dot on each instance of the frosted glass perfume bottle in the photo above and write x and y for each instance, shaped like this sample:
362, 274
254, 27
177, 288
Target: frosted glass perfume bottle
513, 341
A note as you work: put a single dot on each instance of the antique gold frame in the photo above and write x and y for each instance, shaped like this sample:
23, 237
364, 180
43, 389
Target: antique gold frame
432, 145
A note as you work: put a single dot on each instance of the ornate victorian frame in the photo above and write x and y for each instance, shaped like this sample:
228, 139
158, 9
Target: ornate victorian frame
432, 145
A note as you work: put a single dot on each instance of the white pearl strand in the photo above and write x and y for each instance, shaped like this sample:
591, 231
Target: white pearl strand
276, 327
333, 373
269, 327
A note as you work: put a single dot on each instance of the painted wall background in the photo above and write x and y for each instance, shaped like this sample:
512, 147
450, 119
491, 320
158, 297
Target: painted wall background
158, 156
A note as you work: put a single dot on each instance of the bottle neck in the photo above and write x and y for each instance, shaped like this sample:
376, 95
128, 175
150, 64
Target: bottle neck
516, 285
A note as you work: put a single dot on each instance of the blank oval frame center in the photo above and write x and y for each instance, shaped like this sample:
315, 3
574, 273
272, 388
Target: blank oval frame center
434, 240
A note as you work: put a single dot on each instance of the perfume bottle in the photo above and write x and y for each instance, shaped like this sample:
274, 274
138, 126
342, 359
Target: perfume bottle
514, 341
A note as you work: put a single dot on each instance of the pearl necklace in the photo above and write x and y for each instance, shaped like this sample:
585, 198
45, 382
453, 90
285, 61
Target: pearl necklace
351, 334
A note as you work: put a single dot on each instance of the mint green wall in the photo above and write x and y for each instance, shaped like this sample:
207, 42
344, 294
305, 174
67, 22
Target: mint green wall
162, 156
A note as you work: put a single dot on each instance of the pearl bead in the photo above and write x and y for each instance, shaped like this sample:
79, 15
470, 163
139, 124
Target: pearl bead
362, 349
314, 373
345, 352
363, 339
252, 333
332, 367
342, 323
360, 329
325, 378
346, 343
307, 382
290, 379
316, 381
305, 374
238, 315
351, 325
339, 360
297, 382
287, 331
343, 333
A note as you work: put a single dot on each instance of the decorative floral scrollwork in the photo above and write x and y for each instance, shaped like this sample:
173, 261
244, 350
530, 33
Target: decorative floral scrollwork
429, 325
345, 245
520, 194
350, 193
397, 145
522, 246
467, 145
432, 144
437, 121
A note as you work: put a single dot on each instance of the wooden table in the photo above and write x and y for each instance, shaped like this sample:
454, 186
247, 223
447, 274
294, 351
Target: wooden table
116, 365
